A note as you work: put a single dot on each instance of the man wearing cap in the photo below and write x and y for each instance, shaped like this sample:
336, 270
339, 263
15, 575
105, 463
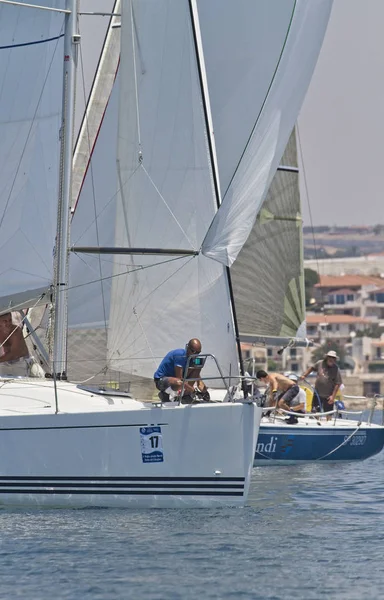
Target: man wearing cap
327, 382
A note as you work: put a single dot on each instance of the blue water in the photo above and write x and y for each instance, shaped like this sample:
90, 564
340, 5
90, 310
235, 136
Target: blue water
314, 531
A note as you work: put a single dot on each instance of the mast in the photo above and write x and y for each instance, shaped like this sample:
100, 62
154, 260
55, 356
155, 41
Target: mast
71, 39
212, 151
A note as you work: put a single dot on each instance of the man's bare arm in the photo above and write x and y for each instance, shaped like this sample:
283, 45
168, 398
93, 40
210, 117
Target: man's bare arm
188, 385
14, 348
332, 397
307, 372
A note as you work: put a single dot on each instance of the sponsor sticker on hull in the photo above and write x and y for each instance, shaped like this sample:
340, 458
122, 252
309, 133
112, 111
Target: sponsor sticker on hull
151, 441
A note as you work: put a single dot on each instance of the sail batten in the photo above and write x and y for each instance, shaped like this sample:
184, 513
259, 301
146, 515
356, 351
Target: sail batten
144, 251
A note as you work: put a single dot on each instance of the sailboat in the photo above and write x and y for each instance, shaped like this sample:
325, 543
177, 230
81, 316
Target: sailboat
175, 175
273, 314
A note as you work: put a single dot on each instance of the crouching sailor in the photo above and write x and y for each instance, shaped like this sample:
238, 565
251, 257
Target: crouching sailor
170, 373
15, 360
283, 393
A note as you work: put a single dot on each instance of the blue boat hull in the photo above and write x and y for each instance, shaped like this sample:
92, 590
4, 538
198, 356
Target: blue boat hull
282, 445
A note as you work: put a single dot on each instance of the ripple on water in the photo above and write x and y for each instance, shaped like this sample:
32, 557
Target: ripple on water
309, 532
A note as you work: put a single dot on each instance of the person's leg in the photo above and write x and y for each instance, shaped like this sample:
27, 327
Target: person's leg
297, 406
162, 384
317, 404
288, 396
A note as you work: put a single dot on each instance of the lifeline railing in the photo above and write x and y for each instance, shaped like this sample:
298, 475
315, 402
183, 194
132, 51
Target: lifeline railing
335, 412
226, 379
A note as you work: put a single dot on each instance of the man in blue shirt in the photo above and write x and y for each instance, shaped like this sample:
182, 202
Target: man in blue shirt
171, 371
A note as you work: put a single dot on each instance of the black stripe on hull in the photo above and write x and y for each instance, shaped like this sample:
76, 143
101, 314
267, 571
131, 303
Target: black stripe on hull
120, 425
119, 478
118, 486
51, 492
136, 486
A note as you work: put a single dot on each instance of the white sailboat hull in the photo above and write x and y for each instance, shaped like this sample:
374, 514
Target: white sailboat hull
96, 451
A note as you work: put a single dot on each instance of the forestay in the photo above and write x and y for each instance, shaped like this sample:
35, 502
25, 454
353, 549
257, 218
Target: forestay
267, 276
31, 58
259, 57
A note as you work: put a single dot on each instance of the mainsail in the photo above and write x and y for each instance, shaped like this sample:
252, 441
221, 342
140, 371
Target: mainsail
268, 273
31, 54
150, 182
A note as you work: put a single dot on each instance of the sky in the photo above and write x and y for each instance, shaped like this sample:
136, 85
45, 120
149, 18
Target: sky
341, 124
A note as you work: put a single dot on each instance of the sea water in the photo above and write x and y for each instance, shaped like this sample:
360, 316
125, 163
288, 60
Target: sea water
312, 531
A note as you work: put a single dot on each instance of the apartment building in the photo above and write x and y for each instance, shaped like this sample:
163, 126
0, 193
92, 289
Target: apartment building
354, 295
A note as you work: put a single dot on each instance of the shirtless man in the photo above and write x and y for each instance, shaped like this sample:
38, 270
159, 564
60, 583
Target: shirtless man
287, 391
14, 356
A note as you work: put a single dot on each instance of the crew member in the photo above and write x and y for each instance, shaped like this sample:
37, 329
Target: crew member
328, 381
283, 392
15, 360
171, 371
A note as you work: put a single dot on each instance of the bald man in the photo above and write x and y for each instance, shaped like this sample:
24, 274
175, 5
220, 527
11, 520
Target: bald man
172, 368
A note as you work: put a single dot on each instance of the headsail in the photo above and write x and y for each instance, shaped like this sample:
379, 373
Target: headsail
257, 83
152, 186
31, 55
161, 198
268, 273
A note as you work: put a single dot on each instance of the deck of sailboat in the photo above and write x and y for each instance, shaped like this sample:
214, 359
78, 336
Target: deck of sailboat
31, 396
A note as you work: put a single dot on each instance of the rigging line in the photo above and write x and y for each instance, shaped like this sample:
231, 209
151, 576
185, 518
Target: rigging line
92, 181
135, 77
57, 37
21, 305
152, 292
309, 207
141, 268
22, 320
29, 131
112, 198
265, 99
165, 280
147, 296
168, 207
145, 337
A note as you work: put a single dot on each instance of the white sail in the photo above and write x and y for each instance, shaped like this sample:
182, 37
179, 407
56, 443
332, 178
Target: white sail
267, 276
152, 186
31, 57
257, 82
166, 198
